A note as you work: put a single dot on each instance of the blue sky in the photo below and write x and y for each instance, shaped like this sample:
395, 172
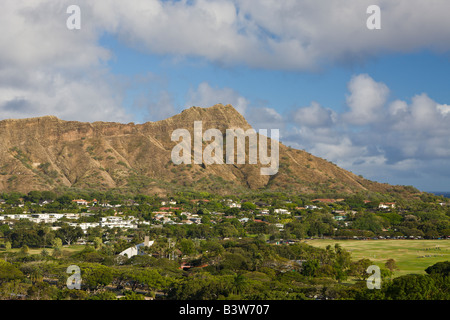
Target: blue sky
405, 74
376, 102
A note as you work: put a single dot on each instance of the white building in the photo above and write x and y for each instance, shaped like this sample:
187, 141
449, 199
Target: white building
163, 203
118, 222
387, 205
280, 226
234, 205
81, 202
85, 225
137, 249
73, 216
281, 211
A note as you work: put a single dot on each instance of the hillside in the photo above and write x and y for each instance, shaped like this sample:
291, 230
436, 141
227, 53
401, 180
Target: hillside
47, 153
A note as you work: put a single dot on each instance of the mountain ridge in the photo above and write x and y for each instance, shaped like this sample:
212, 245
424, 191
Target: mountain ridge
47, 153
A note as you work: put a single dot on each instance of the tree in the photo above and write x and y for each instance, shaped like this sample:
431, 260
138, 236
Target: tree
69, 234
97, 276
48, 195
248, 206
296, 228
103, 296
442, 268
97, 243
57, 252
44, 253
226, 230
392, 218
131, 295
413, 287
341, 263
25, 233
239, 283
310, 267
234, 262
33, 196
57, 243
65, 199
8, 245
24, 249
13, 290
8, 272
137, 277
358, 268
206, 219
187, 247
391, 265
368, 221
41, 291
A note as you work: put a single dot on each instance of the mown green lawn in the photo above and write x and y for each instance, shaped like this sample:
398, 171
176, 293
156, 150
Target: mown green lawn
411, 256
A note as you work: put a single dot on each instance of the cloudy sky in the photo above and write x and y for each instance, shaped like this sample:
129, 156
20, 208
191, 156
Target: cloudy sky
376, 102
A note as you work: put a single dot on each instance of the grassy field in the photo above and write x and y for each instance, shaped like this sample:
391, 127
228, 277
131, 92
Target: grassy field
411, 256
71, 249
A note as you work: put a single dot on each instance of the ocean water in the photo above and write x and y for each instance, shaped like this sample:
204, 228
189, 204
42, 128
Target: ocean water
445, 193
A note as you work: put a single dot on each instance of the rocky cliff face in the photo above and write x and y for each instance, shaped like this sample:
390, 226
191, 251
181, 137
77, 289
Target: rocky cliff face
47, 153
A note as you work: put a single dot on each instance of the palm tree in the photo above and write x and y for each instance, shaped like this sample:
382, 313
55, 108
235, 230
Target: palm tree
239, 283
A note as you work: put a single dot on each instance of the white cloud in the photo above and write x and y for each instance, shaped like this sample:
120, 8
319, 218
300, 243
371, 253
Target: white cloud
262, 117
44, 93
366, 100
43, 64
314, 116
393, 140
344, 152
444, 109
398, 107
300, 35
35, 35
424, 115
46, 69
206, 96
161, 108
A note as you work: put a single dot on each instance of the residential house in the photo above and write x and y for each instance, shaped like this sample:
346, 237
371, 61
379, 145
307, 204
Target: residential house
81, 202
72, 216
171, 202
137, 249
281, 211
386, 205
85, 225
280, 226
118, 222
169, 208
230, 203
43, 217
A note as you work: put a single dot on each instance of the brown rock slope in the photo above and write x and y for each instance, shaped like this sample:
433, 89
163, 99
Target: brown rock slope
47, 153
